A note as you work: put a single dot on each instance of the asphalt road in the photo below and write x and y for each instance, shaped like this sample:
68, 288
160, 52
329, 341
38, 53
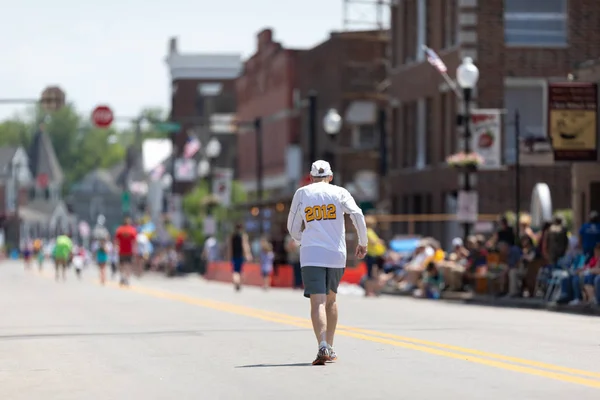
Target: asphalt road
188, 339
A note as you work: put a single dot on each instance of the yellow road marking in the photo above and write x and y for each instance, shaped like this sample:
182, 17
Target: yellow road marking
439, 349
529, 367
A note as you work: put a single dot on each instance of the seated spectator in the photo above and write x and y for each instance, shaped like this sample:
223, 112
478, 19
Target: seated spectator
459, 252
476, 260
557, 241
453, 268
590, 275
589, 234
415, 267
525, 227
517, 273
431, 284
504, 233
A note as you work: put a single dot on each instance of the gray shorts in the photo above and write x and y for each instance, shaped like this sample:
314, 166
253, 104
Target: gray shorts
320, 280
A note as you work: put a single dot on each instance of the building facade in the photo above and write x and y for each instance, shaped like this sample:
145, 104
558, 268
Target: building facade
345, 71
518, 45
203, 89
586, 175
265, 90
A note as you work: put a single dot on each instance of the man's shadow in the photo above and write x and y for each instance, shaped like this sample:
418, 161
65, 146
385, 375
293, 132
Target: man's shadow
275, 365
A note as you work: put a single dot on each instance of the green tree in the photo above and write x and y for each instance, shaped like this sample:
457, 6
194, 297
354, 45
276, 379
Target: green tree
15, 132
198, 202
80, 147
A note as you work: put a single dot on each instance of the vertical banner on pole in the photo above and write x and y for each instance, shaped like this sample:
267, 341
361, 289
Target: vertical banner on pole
222, 185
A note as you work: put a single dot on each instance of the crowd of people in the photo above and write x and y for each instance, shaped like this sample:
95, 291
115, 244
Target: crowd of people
129, 250
527, 264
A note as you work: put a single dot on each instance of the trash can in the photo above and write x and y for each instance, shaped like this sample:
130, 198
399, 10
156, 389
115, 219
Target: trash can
190, 260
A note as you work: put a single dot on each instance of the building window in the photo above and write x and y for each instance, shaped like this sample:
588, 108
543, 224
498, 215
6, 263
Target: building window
429, 145
409, 27
450, 25
365, 137
409, 135
535, 22
421, 29
443, 149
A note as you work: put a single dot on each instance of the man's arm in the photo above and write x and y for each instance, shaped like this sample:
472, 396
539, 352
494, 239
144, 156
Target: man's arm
294, 222
356, 216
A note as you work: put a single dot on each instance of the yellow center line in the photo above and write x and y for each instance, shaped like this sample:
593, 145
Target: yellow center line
508, 363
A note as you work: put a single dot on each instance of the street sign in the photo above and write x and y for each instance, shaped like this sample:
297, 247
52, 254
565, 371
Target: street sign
169, 127
102, 116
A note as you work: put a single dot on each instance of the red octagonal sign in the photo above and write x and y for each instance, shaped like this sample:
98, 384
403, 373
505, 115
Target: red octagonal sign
102, 116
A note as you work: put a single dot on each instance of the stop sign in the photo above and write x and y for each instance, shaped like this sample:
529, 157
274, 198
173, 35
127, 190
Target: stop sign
102, 116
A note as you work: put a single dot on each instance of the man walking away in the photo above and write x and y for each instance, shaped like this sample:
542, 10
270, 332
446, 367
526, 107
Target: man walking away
320, 207
238, 250
125, 241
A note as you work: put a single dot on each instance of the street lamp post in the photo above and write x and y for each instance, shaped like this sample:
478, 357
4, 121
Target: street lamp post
467, 75
213, 151
312, 126
259, 171
332, 124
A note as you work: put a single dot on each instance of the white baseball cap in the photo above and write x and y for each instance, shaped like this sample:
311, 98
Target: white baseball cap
320, 169
457, 242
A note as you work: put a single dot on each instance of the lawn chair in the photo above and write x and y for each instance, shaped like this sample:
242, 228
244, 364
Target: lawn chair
550, 278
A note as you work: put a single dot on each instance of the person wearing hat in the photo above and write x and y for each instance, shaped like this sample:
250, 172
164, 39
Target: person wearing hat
320, 208
589, 235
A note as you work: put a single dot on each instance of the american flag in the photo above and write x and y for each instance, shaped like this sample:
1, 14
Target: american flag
191, 147
435, 60
157, 172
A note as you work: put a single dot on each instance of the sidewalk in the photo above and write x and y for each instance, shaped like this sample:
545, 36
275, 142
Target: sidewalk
492, 301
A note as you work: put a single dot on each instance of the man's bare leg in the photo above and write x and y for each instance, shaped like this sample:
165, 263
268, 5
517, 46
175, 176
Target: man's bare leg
125, 273
332, 316
318, 315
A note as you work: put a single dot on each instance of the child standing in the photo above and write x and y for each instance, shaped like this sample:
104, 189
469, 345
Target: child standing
102, 259
266, 262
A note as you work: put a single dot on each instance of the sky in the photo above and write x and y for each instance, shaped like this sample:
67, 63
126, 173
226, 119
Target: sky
113, 51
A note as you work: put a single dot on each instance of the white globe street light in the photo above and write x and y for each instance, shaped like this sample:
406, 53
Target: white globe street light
166, 181
213, 148
203, 168
467, 74
332, 122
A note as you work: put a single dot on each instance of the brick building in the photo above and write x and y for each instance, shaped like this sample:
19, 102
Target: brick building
518, 45
265, 90
586, 175
202, 86
345, 71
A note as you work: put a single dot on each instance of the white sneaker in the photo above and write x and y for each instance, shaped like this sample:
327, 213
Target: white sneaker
575, 302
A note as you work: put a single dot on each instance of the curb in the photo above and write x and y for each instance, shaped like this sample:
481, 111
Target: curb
500, 303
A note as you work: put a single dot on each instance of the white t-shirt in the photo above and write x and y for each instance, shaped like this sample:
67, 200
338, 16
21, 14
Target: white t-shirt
321, 206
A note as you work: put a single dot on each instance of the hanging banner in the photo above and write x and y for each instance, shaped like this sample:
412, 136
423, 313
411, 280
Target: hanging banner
573, 120
222, 181
468, 206
486, 131
185, 169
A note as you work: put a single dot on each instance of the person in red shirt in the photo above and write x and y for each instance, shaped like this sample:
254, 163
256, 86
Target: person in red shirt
125, 241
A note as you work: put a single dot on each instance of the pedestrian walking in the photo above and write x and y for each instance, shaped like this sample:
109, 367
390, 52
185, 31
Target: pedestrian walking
239, 252
125, 241
267, 258
320, 207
